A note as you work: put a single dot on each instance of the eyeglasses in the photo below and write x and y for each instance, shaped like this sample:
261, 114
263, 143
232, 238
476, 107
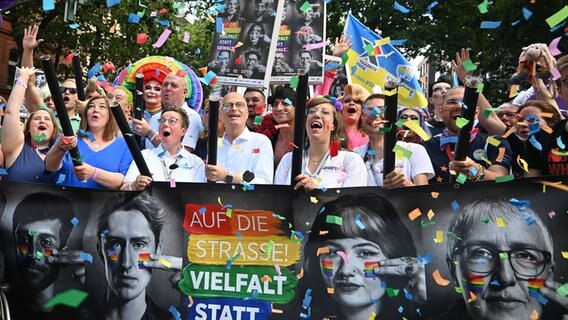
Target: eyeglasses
349, 101
506, 114
171, 121
65, 89
409, 116
228, 106
155, 88
321, 111
527, 262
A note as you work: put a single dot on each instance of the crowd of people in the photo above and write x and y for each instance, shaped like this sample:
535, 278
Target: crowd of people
344, 144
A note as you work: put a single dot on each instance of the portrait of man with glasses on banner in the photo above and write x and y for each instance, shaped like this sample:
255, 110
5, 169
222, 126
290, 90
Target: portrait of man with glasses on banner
501, 258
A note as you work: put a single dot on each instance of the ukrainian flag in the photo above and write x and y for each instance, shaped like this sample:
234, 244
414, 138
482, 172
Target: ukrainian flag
372, 60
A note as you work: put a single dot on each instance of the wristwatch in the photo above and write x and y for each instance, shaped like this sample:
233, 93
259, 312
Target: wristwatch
229, 178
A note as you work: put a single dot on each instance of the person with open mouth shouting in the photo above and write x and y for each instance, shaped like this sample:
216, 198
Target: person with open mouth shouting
105, 157
353, 100
324, 165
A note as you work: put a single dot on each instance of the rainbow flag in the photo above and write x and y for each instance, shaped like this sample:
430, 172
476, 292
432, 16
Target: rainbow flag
327, 267
22, 252
48, 252
113, 258
535, 284
369, 269
144, 256
474, 284
372, 60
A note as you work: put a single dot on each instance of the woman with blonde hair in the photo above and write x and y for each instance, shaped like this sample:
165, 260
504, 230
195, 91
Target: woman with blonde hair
353, 101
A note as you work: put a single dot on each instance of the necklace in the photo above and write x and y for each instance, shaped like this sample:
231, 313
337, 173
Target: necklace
95, 146
317, 162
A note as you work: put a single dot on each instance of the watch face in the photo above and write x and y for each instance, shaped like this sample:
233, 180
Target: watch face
229, 178
248, 176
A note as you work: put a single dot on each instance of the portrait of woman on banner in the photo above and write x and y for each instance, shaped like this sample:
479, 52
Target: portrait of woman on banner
360, 262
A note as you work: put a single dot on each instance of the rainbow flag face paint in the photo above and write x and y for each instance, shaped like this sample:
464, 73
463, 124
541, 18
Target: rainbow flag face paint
113, 257
327, 268
369, 269
474, 284
22, 252
535, 284
144, 256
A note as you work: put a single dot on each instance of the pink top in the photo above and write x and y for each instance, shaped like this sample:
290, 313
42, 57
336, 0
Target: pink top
357, 139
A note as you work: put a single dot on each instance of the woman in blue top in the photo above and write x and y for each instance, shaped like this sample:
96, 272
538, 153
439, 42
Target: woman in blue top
105, 157
25, 146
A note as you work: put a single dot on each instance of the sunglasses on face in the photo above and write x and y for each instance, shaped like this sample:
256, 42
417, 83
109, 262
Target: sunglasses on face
349, 101
408, 116
65, 89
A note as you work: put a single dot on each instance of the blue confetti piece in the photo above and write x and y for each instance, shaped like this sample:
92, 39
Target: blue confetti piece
60, 179
101, 78
516, 22
455, 79
288, 101
358, 221
88, 135
398, 43
254, 295
558, 26
535, 143
307, 301
324, 189
229, 264
74, 26
220, 7
446, 140
321, 210
175, 312
521, 204
74, 221
2, 105
371, 152
202, 210
400, 309
163, 22
431, 6
48, 5
455, 205
426, 259
219, 25
298, 234
407, 294
490, 24
534, 127
198, 51
560, 143
86, 257
238, 234
529, 218
495, 283
112, 3
527, 14
401, 8
326, 1
147, 114
3, 172
331, 66
134, 18
539, 297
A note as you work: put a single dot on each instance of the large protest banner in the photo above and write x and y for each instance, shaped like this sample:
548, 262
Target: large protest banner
373, 61
231, 252
301, 41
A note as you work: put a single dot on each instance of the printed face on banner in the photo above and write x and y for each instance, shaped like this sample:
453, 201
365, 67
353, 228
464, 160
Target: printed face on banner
35, 242
343, 270
129, 239
502, 268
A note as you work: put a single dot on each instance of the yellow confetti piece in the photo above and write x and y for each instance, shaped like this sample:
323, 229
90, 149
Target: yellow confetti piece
501, 154
372, 316
508, 133
279, 311
472, 297
416, 128
500, 222
389, 92
412, 215
439, 237
523, 164
546, 128
323, 232
165, 263
238, 44
330, 290
322, 250
430, 214
219, 142
565, 254
314, 200
382, 42
514, 91
546, 115
438, 278
210, 18
434, 194
493, 141
557, 185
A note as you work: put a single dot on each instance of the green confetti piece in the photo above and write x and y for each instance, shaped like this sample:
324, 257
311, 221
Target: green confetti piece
485, 220
269, 249
425, 223
334, 220
258, 120
386, 129
459, 289
505, 178
503, 255
483, 6
480, 88
462, 178
31, 232
176, 5
344, 59
39, 255
405, 152
369, 48
487, 112
563, 290
294, 81
40, 138
558, 17
400, 123
461, 122
392, 292
305, 6
469, 65
71, 298
451, 234
229, 213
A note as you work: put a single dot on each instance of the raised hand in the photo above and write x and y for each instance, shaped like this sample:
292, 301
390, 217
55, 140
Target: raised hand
341, 45
30, 41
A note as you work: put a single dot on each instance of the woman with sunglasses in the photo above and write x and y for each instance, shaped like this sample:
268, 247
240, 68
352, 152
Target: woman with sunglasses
355, 96
105, 157
413, 114
25, 146
152, 104
326, 162
412, 164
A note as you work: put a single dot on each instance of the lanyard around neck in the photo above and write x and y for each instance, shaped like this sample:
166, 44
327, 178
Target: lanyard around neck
319, 167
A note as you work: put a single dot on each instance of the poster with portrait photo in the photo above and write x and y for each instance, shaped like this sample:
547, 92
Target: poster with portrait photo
300, 41
242, 54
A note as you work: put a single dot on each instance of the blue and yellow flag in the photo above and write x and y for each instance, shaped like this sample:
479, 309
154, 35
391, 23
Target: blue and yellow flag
373, 60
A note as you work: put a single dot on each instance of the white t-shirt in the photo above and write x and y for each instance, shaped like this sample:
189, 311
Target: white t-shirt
344, 170
250, 151
192, 133
190, 167
419, 162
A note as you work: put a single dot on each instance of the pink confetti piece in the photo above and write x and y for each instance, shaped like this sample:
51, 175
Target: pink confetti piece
343, 256
172, 183
313, 46
277, 267
553, 47
332, 58
186, 37
552, 214
342, 177
555, 73
153, 13
162, 39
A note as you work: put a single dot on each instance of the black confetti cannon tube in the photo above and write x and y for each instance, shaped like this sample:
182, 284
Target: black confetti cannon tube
78, 72
130, 140
299, 127
139, 102
53, 85
212, 137
390, 111
468, 112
